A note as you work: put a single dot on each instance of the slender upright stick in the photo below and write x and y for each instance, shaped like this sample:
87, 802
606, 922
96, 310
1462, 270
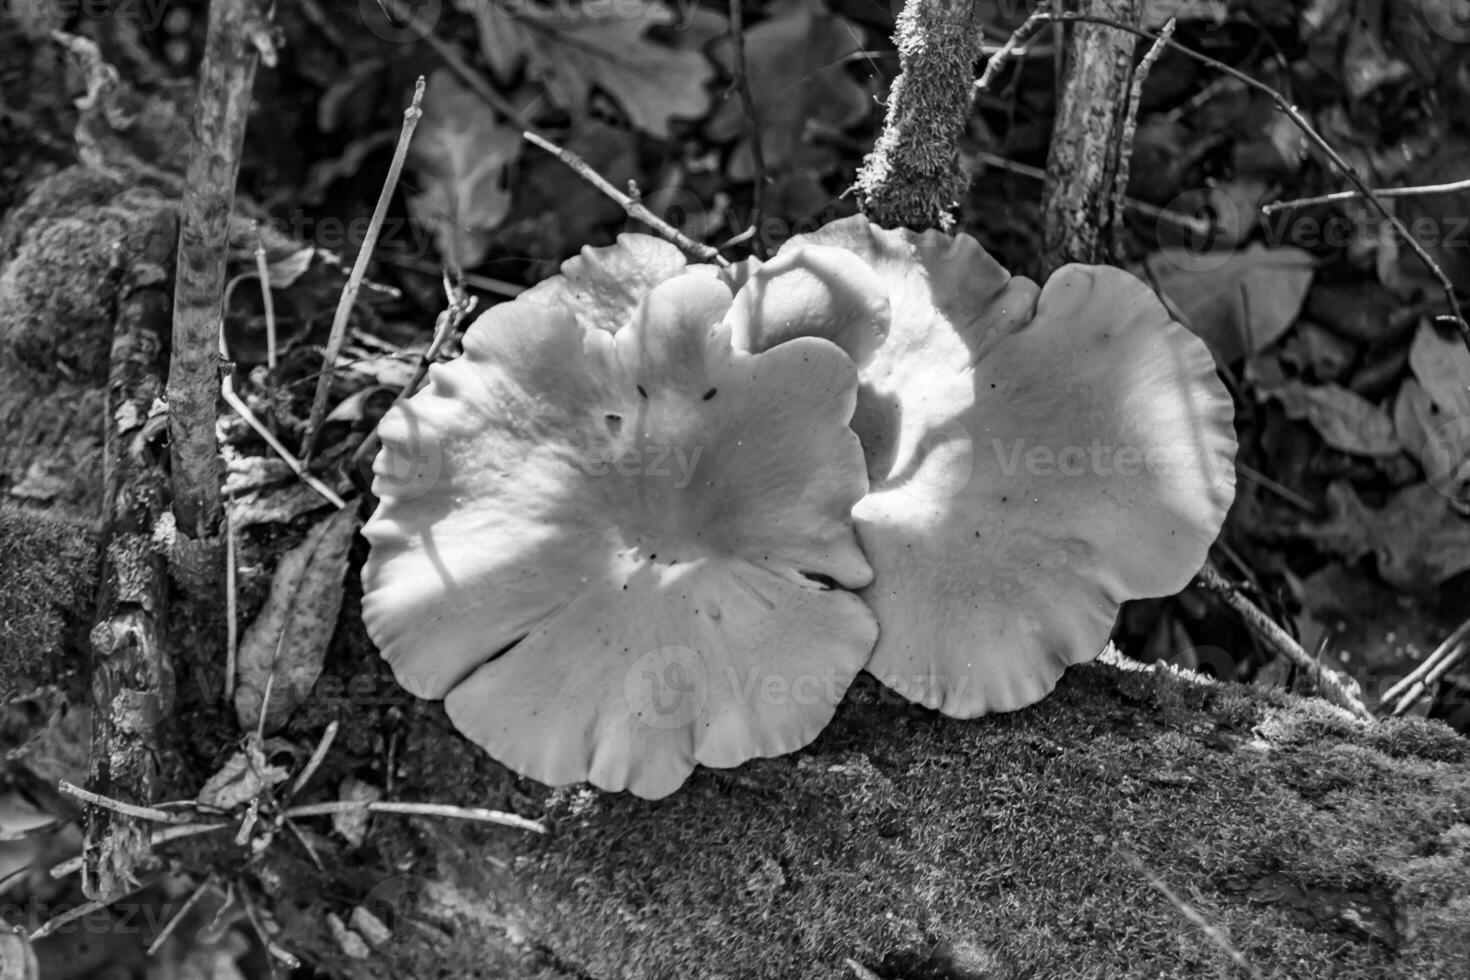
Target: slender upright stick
359, 270
233, 41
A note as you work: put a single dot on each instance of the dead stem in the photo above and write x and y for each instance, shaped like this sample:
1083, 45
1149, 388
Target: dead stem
1332, 685
747, 101
236, 28
417, 809
633, 207
359, 269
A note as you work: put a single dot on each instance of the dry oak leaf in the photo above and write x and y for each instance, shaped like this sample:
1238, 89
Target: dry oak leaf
460, 154
604, 45
288, 640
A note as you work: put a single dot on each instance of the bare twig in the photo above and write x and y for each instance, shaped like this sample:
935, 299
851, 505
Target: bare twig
498, 287
232, 604
1011, 49
162, 836
318, 755
263, 273
1189, 912
634, 208
417, 809
118, 806
445, 326
742, 85
1422, 190
454, 61
1333, 686
71, 915
225, 79
227, 390
1130, 122
177, 917
359, 269
1407, 692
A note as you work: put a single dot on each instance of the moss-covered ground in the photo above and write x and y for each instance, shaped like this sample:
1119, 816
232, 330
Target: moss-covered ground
920, 847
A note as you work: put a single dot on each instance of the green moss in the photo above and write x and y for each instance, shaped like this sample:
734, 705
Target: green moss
65, 253
47, 581
922, 846
60, 195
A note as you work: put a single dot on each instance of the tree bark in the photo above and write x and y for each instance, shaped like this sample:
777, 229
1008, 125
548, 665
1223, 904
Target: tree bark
1088, 138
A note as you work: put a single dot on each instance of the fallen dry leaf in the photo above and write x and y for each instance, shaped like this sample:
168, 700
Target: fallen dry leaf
1238, 304
352, 824
1345, 420
243, 777
289, 638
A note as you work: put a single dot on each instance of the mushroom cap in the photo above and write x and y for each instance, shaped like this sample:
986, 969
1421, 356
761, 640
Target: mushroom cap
621, 546
1036, 457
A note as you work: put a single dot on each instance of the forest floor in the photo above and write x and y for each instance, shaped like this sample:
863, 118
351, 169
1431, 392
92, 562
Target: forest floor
1072, 839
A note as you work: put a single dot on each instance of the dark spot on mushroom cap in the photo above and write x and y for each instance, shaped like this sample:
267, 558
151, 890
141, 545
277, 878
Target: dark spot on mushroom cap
614, 422
641, 392
709, 394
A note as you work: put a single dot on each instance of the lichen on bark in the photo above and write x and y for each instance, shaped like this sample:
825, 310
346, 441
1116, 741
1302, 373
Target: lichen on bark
912, 177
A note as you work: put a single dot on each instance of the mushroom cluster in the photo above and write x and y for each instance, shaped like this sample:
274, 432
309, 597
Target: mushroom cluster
660, 514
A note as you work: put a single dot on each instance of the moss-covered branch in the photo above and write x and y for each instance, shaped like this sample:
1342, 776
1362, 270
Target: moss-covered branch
912, 178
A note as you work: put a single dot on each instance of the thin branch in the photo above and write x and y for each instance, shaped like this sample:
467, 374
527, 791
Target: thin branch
162, 836
118, 806
1130, 120
220, 112
232, 602
417, 809
359, 269
635, 209
227, 390
71, 915
747, 101
1408, 691
268, 303
1422, 190
1011, 49
314, 763
177, 917
1301, 123
1334, 687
